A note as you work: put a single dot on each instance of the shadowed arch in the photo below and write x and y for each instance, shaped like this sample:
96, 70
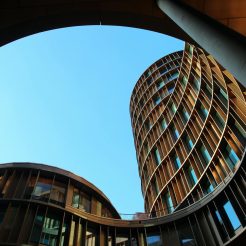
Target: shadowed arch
26, 18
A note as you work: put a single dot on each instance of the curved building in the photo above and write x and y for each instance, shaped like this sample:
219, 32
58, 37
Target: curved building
188, 118
33, 198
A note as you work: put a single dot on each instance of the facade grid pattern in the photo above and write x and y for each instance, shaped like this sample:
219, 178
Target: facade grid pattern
191, 139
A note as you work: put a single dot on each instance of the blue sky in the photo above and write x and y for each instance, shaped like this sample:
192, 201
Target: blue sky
64, 101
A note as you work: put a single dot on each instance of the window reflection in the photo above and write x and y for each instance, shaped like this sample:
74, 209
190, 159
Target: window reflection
81, 200
46, 229
42, 189
232, 215
37, 227
154, 240
205, 154
230, 156
168, 201
50, 230
58, 193
157, 156
186, 237
192, 179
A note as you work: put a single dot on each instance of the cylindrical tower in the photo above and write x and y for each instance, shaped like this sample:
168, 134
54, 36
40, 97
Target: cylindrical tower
188, 120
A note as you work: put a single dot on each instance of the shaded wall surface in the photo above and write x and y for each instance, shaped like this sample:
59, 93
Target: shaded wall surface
21, 18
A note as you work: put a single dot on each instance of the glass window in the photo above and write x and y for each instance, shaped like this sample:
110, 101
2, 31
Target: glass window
42, 189
159, 63
185, 114
205, 154
177, 162
148, 125
230, 157
81, 200
37, 227
147, 73
156, 99
232, 154
222, 226
149, 81
196, 84
203, 112
160, 84
170, 89
218, 216
75, 201
175, 133
163, 124
186, 237
239, 132
232, 215
184, 81
219, 121
168, 200
188, 142
154, 240
50, 231
156, 188
174, 76
58, 193
163, 71
30, 187
223, 96
173, 108
192, 176
157, 156
85, 202
207, 186
208, 91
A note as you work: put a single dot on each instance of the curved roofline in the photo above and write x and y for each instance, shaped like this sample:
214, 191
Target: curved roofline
43, 16
60, 171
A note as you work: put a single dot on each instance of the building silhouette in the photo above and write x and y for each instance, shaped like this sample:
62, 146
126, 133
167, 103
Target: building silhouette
188, 118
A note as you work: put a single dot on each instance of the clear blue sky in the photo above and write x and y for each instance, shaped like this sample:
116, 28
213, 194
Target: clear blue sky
64, 101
